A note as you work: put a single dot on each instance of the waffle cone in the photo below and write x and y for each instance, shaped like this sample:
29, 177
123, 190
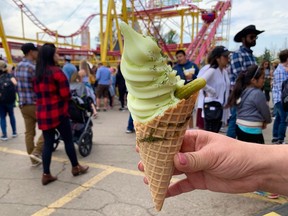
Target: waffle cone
158, 141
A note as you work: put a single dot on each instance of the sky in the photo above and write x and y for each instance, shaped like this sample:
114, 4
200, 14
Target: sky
67, 16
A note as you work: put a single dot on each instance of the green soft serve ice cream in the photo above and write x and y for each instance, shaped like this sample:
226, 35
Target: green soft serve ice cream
151, 83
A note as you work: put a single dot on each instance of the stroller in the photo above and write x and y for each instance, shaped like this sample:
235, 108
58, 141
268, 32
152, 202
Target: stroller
81, 119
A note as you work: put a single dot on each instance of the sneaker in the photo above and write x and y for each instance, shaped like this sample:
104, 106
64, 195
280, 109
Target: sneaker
14, 135
121, 109
260, 193
98, 109
36, 157
275, 141
35, 163
4, 138
273, 196
130, 131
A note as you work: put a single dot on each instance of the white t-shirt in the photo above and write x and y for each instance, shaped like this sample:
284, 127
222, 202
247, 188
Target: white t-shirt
217, 88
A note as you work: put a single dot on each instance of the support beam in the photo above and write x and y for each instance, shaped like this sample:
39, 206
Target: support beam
4, 42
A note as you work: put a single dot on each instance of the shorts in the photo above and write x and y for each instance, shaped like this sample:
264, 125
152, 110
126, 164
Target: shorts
102, 91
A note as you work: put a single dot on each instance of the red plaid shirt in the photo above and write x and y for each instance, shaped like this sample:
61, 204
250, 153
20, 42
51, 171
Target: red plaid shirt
53, 95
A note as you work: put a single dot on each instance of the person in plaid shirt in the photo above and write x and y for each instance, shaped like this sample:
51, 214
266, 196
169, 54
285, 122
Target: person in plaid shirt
52, 97
279, 75
240, 61
24, 74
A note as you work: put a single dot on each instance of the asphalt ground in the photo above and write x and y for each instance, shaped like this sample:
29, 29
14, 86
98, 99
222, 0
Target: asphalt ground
113, 186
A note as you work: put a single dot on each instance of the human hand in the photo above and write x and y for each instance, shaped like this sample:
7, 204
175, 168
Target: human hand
214, 162
264, 126
94, 115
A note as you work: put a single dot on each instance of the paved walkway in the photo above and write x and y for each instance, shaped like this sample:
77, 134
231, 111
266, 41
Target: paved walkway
112, 187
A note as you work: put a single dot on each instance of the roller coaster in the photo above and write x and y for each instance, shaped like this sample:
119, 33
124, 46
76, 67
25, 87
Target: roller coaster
197, 30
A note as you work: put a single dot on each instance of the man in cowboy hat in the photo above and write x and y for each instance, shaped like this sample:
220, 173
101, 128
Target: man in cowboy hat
240, 60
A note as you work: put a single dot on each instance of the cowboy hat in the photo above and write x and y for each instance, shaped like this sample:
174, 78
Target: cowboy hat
251, 29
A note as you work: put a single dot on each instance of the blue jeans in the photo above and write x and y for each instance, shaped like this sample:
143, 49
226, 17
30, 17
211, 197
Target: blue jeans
279, 126
4, 109
130, 123
231, 132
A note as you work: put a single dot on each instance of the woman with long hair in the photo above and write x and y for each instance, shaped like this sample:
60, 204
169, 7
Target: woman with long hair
53, 94
267, 83
217, 88
253, 113
85, 72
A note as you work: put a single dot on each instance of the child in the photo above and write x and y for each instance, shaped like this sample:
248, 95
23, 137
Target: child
253, 113
76, 79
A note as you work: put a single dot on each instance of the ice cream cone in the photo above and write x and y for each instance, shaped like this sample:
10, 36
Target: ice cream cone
158, 141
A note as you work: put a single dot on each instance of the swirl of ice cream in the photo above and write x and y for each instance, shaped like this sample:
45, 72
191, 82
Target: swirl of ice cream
151, 83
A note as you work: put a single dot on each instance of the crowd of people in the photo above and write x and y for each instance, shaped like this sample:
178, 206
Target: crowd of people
237, 95
44, 95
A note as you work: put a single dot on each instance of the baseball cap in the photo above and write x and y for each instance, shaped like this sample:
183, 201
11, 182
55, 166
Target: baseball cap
27, 47
3, 66
67, 57
220, 51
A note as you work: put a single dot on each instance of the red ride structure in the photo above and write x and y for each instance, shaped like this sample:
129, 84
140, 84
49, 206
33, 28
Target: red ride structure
197, 38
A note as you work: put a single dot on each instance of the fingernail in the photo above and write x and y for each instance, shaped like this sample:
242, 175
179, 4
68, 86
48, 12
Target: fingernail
140, 166
182, 158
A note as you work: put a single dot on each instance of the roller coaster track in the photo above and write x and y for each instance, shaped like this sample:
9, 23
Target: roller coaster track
44, 28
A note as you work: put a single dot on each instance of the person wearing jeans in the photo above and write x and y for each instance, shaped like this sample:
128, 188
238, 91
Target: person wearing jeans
279, 76
4, 109
231, 131
280, 124
241, 59
7, 103
130, 127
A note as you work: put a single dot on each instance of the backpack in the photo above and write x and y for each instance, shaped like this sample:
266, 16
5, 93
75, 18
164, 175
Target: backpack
7, 89
284, 95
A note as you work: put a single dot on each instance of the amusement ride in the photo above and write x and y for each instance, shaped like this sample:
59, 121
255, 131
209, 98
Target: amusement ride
196, 30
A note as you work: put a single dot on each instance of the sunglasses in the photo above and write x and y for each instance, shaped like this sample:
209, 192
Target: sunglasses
257, 71
253, 37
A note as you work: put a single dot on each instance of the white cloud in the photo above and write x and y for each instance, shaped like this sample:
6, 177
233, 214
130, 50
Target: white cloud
67, 16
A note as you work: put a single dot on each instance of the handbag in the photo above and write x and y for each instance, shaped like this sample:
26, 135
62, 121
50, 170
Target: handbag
213, 111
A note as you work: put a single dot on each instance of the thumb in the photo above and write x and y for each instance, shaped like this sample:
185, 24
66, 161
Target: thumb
190, 161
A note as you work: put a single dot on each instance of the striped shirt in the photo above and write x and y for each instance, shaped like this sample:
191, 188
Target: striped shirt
279, 75
240, 61
24, 74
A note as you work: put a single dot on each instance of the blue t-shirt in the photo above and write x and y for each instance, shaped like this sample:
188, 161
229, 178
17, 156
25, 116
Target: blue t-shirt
103, 76
188, 65
68, 70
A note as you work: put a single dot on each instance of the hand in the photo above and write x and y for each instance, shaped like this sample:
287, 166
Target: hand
214, 162
94, 115
264, 126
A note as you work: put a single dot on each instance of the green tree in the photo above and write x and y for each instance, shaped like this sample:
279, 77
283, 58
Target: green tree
171, 37
265, 56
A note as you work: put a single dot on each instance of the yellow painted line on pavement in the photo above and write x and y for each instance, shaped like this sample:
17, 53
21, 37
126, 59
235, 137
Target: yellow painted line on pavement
13, 151
63, 160
280, 200
272, 214
73, 194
